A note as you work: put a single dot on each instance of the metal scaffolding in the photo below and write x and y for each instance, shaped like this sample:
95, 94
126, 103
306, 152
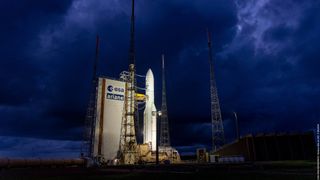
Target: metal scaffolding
128, 142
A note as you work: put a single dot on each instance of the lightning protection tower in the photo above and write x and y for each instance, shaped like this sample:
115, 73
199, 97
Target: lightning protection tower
216, 119
87, 148
164, 124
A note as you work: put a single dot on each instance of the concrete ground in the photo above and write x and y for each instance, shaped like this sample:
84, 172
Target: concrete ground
293, 170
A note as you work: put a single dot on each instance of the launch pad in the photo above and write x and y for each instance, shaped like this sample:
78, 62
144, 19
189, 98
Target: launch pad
113, 113
110, 126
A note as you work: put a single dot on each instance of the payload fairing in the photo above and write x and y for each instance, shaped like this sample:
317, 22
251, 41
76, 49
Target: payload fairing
150, 113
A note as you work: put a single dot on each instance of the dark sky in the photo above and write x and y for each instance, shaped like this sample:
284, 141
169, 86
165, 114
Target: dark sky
267, 59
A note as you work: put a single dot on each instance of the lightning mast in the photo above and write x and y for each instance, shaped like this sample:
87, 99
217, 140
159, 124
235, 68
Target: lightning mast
128, 143
164, 124
216, 119
91, 110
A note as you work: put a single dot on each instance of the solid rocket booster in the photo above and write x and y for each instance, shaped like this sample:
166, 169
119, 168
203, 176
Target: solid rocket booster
150, 113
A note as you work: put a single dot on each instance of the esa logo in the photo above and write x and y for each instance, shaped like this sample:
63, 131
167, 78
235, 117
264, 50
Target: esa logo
110, 88
116, 89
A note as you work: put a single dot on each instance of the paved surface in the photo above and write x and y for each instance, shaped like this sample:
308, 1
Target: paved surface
261, 171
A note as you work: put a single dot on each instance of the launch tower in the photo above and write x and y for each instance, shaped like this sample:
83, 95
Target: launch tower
128, 142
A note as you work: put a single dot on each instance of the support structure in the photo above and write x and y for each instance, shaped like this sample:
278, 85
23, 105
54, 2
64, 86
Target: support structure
87, 148
128, 142
216, 118
164, 124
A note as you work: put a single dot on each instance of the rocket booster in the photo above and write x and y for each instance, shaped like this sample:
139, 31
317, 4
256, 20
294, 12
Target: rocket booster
150, 113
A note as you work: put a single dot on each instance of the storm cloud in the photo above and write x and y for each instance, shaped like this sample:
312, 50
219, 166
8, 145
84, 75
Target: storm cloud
266, 63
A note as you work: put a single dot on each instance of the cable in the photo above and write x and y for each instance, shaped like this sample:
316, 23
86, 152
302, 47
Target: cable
138, 75
141, 88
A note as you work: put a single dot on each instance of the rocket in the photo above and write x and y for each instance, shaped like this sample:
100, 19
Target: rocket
150, 113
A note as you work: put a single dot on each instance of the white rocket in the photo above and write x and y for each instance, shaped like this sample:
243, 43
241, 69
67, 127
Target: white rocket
150, 113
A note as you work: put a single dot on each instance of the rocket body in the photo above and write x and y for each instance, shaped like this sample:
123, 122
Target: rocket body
150, 113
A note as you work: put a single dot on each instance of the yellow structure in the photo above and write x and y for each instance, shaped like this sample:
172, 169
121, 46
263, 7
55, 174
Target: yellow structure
140, 97
166, 155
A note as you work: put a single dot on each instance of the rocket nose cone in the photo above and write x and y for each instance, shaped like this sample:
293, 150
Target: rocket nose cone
149, 73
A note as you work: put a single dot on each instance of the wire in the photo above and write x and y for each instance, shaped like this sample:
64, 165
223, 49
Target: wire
138, 75
141, 88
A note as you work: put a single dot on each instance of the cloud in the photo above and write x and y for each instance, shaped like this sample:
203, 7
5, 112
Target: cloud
266, 63
34, 147
267, 24
266, 59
